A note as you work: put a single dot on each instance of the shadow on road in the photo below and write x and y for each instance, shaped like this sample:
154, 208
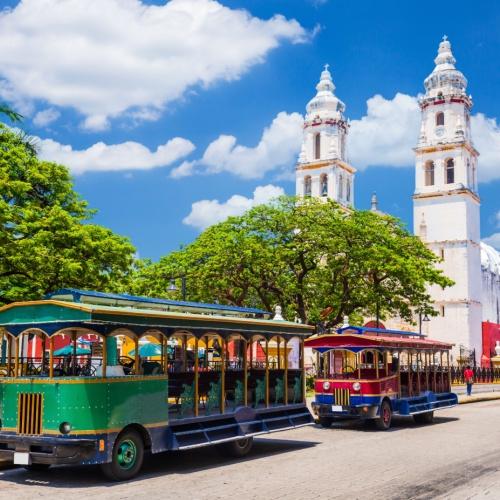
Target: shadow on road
178, 462
398, 424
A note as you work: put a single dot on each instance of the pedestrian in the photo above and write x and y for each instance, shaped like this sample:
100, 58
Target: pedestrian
469, 378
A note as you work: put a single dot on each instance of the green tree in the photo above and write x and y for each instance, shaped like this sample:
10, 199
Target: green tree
314, 258
46, 238
10, 113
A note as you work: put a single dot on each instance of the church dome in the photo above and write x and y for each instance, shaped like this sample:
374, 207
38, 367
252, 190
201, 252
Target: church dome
490, 259
325, 104
445, 78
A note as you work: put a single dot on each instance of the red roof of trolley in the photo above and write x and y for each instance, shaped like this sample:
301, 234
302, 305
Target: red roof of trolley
355, 339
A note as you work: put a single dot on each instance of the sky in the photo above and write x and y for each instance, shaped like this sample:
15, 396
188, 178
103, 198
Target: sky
174, 115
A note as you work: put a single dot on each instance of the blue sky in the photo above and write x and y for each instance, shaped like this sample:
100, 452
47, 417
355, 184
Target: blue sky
232, 74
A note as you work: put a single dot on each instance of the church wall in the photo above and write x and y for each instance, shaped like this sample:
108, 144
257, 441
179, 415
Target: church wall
439, 158
453, 117
450, 217
461, 325
490, 296
315, 175
455, 267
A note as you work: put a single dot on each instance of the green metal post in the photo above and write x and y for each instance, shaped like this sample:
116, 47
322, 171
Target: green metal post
112, 351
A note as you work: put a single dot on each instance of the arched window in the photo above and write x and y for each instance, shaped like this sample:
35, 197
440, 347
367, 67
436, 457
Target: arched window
429, 173
439, 119
324, 185
317, 146
307, 186
450, 171
341, 186
348, 189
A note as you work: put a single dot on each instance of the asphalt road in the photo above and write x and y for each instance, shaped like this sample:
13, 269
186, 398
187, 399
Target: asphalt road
456, 457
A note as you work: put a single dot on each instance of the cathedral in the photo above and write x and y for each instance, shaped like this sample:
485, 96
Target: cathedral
446, 201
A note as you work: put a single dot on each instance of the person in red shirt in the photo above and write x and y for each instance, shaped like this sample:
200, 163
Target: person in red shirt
469, 378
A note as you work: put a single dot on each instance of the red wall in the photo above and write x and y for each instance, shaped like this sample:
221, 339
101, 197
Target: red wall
59, 342
491, 333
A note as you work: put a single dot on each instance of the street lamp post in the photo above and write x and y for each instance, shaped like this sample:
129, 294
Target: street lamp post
420, 319
173, 287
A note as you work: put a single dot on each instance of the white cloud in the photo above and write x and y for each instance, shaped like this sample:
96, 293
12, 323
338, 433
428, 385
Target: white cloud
493, 240
386, 135
486, 134
125, 156
277, 150
104, 57
204, 213
185, 169
19, 104
46, 117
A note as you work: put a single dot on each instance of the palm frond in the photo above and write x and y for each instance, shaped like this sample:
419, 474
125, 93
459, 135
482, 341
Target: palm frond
10, 113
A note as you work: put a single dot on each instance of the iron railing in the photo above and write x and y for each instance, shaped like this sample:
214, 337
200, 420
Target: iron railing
481, 375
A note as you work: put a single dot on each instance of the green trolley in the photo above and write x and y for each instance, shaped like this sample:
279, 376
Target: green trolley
95, 378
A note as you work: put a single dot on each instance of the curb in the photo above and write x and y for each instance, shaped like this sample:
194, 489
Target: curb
464, 400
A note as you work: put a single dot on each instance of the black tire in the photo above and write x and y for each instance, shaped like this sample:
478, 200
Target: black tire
325, 422
424, 418
37, 467
383, 421
127, 459
236, 449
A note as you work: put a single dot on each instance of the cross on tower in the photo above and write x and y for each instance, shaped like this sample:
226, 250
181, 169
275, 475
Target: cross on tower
445, 38
327, 66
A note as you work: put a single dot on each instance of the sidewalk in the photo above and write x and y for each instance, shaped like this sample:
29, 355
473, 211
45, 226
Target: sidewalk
476, 388
478, 396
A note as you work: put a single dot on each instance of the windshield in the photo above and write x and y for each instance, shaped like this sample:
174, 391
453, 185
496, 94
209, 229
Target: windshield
368, 364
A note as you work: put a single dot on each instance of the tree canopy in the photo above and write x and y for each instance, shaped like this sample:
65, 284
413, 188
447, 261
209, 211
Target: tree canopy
47, 240
312, 257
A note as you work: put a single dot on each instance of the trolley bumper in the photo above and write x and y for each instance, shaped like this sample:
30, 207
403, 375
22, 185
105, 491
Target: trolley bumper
46, 449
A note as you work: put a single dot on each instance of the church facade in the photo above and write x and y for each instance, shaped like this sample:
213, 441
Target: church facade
322, 169
446, 203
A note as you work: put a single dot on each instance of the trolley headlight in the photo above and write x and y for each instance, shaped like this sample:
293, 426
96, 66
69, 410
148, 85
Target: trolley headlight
65, 428
356, 386
326, 386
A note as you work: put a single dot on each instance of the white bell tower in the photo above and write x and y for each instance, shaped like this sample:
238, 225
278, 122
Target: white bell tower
322, 169
446, 203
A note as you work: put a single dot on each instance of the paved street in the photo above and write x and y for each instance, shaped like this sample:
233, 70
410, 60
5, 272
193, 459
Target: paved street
457, 457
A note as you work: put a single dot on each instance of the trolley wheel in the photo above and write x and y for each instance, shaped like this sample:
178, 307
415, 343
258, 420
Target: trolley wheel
236, 449
383, 421
128, 455
424, 418
325, 422
36, 467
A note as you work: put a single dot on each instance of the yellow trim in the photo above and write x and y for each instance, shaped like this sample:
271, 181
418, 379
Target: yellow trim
438, 194
326, 163
379, 340
70, 305
352, 380
155, 314
158, 424
89, 380
446, 147
361, 395
86, 432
